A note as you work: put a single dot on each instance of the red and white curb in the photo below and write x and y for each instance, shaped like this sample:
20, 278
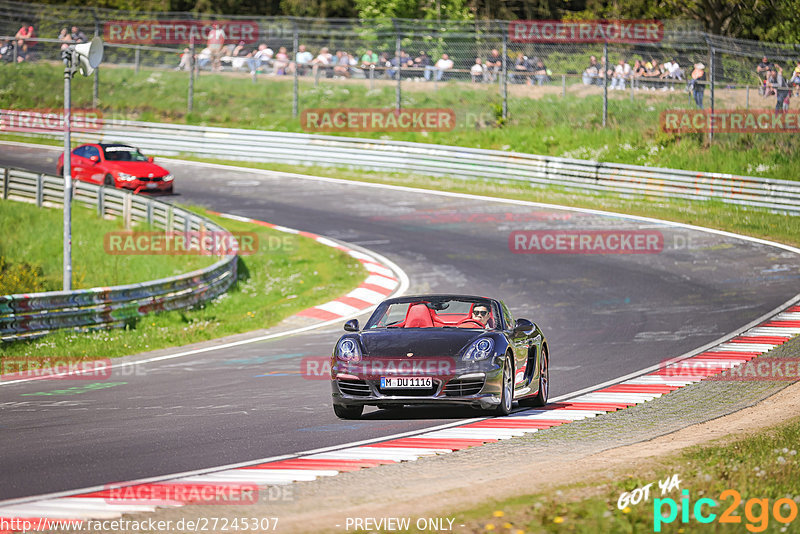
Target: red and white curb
109, 502
381, 282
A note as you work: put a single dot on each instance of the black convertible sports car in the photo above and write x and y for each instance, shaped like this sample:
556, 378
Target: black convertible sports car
439, 349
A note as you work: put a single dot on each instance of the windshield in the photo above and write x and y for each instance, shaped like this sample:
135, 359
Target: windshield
440, 312
123, 153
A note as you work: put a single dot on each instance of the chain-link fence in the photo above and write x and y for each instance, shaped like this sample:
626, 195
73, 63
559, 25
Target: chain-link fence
476, 69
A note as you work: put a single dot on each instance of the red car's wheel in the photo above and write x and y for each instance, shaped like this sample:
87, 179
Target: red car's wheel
108, 181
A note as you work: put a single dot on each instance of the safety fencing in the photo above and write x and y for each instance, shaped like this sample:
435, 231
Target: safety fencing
30, 315
441, 160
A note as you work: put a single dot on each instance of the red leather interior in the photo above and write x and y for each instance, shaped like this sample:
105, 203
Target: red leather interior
418, 316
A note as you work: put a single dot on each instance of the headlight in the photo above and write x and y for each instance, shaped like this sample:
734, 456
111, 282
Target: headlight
126, 177
348, 350
479, 350
168, 178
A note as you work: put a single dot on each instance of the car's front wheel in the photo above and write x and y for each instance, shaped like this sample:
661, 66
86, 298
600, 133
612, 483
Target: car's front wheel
540, 399
347, 412
507, 388
108, 181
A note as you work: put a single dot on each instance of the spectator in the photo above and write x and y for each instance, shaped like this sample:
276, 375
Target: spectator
651, 73
324, 59
591, 75
204, 58
444, 64
260, 57
637, 72
782, 90
796, 75
78, 36
770, 83
65, 37
421, 62
621, 73
7, 51
404, 61
343, 64
541, 73
216, 40
25, 42
369, 59
494, 65
186, 60
671, 71
281, 62
763, 68
697, 83
476, 71
522, 66
302, 61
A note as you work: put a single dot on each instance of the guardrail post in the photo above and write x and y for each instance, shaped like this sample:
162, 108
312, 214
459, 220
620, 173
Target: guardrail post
101, 201
136, 59
5, 183
126, 210
39, 190
295, 83
398, 93
371, 77
170, 219
605, 83
149, 212
504, 67
187, 223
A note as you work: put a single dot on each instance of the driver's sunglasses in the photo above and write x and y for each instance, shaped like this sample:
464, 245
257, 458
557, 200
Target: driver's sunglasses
480, 312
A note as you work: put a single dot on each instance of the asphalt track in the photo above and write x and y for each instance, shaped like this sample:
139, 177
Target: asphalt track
605, 315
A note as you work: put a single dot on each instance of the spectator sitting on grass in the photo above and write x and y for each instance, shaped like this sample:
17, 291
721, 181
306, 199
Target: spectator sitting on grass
637, 72
591, 75
281, 62
493, 66
422, 61
343, 64
443, 64
522, 66
302, 60
323, 59
540, 72
621, 72
476, 71
262, 56
651, 72
369, 59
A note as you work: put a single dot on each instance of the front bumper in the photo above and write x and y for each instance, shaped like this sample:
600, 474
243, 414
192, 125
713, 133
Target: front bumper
146, 185
479, 388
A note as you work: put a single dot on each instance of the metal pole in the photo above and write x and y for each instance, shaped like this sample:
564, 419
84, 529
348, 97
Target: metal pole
505, 74
190, 98
398, 96
136, 59
747, 101
711, 129
96, 86
605, 83
69, 59
563, 85
296, 87
371, 76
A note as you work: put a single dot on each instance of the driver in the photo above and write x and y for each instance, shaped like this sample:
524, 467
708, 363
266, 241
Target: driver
480, 313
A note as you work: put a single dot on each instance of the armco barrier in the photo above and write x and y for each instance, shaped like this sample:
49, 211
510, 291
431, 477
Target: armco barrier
442, 160
29, 315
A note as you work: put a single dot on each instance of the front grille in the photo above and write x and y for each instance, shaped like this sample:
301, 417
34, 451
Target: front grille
357, 388
148, 179
461, 387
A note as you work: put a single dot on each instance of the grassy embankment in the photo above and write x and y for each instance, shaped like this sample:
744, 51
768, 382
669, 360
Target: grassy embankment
287, 274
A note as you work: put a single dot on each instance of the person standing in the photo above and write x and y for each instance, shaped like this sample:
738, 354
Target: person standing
698, 83
216, 40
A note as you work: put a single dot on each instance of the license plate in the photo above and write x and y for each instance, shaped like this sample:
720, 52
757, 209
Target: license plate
406, 382
152, 185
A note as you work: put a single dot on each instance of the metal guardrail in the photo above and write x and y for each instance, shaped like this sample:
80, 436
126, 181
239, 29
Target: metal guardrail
31, 315
442, 160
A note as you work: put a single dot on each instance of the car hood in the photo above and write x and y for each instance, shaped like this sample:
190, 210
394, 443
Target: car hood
137, 168
422, 342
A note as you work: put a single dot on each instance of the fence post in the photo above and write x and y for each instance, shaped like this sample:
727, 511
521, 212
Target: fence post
712, 77
563, 85
136, 59
39, 190
371, 77
126, 209
398, 92
5, 183
505, 74
295, 87
605, 83
747, 99
101, 201
192, 66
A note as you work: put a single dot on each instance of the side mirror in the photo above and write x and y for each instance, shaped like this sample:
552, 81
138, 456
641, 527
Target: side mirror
351, 325
150, 159
94, 159
524, 326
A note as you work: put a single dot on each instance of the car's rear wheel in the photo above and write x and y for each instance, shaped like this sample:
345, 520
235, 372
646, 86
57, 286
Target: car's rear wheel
108, 181
347, 412
540, 399
60, 171
507, 389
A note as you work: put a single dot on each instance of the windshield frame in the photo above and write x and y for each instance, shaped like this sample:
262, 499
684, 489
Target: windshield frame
432, 302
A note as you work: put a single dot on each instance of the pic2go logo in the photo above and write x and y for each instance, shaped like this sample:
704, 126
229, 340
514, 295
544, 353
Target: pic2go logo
756, 511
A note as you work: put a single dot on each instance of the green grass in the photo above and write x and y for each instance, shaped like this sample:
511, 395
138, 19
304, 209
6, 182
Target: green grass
288, 274
33, 242
763, 466
711, 214
541, 121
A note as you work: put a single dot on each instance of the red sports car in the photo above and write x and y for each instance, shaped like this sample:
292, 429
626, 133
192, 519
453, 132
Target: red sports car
118, 166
